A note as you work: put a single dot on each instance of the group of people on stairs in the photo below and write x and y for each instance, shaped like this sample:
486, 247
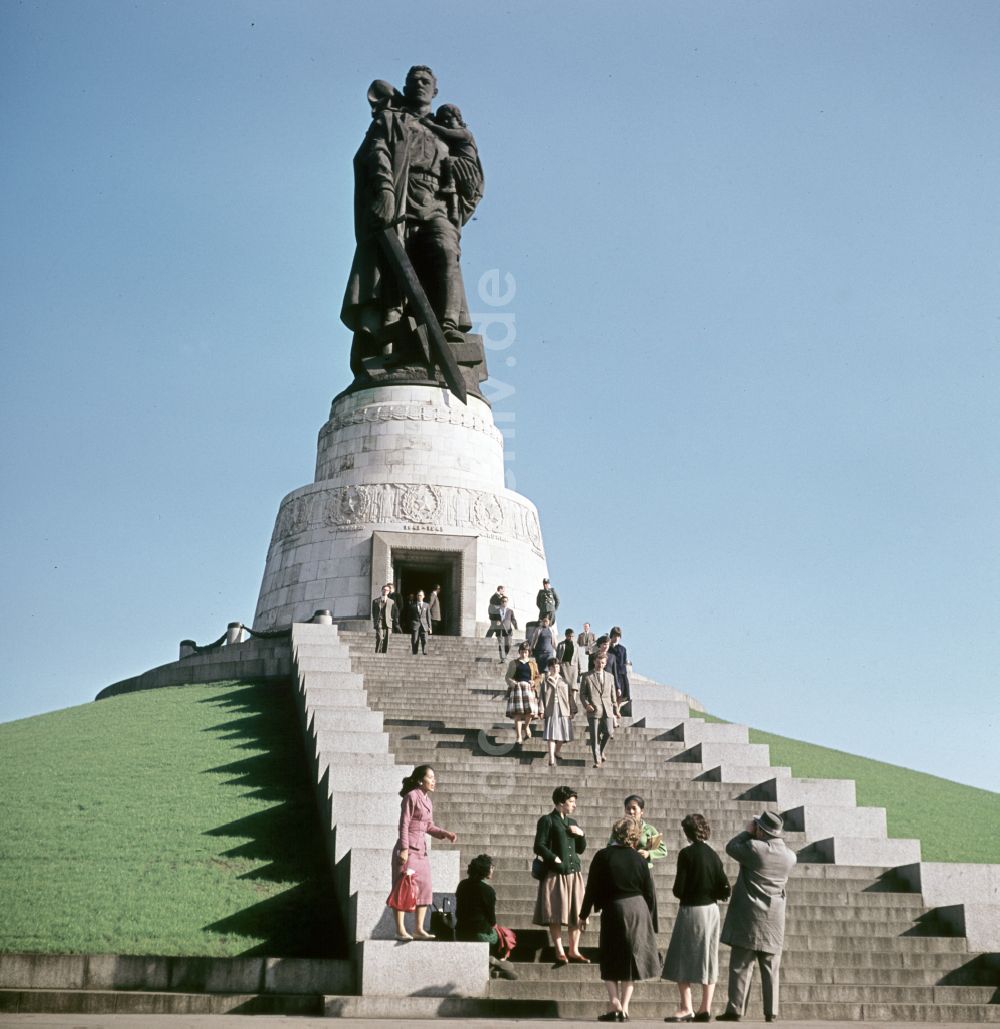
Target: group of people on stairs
619, 886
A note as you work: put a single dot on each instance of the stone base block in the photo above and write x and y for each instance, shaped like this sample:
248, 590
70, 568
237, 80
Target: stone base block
820, 822
710, 754
696, 730
315, 696
849, 850
944, 882
729, 772
782, 794
978, 923
351, 808
422, 969
368, 836
354, 743
657, 714
334, 719
324, 680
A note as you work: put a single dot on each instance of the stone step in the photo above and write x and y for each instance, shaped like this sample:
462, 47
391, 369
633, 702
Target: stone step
508, 1008
810, 891
856, 923
137, 1003
592, 989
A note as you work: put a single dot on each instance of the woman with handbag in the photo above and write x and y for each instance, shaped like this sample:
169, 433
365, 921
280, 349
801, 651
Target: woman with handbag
557, 728
409, 856
559, 842
522, 701
693, 953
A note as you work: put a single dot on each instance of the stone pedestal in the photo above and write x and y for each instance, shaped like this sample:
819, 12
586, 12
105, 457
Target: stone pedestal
407, 479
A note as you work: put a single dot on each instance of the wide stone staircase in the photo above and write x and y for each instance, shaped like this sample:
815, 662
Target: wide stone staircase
861, 941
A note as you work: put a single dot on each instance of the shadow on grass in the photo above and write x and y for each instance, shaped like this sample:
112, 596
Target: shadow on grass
284, 841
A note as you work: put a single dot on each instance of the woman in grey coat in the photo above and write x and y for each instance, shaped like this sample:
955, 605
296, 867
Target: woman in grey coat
554, 702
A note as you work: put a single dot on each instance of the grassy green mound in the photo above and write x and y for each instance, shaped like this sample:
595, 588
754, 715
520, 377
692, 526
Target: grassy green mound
953, 822
176, 821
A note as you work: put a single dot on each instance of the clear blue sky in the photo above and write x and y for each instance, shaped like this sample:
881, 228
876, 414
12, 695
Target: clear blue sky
753, 386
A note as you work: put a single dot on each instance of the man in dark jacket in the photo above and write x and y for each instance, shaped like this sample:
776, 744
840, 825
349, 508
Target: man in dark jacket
418, 615
383, 615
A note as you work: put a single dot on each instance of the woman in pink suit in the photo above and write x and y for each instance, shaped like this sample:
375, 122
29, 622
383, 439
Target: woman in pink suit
416, 820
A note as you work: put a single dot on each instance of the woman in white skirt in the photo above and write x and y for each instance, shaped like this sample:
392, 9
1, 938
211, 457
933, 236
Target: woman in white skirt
557, 728
693, 954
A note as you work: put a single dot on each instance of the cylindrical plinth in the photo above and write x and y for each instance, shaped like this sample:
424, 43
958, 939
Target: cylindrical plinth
407, 477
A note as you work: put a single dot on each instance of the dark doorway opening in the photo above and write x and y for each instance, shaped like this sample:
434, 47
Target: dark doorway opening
412, 572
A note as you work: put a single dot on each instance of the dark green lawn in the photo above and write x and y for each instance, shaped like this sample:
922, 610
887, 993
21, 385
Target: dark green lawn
175, 821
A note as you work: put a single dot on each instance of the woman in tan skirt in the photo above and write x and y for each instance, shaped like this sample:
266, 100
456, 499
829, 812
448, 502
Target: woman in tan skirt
559, 842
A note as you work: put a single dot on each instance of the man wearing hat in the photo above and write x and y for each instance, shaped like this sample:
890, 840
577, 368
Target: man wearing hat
755, 922
547, 600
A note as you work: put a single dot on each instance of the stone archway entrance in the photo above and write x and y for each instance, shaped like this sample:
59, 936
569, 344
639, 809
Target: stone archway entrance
415, 561
423, 571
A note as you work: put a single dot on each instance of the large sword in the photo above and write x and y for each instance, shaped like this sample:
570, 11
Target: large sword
412, 289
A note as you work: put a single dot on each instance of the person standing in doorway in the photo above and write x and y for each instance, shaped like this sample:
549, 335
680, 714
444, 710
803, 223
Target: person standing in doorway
434, 602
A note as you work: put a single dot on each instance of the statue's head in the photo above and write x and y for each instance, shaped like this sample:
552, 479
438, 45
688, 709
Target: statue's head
421, 85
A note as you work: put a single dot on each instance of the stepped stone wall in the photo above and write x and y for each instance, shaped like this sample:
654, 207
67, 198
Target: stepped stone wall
862, 943
874, 933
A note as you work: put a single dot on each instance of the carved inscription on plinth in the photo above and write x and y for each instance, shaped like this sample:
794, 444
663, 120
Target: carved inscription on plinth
416, 506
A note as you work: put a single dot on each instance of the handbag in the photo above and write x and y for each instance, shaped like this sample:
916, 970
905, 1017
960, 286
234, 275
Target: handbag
538, 869
506, 941
443, 921
403, 896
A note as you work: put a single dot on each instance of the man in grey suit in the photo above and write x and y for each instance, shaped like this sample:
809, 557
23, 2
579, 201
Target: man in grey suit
597, 694
383, 615
507, 623
755, 922
586, 639
419, 616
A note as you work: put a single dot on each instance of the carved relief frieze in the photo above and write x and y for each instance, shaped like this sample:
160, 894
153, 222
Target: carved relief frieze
419, 507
